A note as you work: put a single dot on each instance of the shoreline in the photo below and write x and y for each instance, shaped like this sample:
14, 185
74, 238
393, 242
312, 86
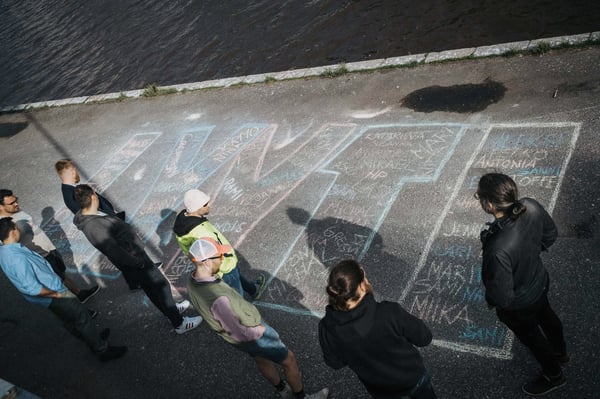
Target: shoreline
502, 49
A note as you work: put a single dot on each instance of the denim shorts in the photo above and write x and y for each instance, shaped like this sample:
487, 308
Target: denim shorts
269, 346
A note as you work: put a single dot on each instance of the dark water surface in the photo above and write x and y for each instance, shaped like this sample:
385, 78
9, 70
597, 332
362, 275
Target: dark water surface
55, 49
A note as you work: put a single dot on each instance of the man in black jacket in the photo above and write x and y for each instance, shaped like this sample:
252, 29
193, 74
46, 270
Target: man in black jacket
119, 242
375, 339
69, 177
515, 279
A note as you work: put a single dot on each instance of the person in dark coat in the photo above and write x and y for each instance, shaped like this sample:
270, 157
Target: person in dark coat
119, 242
376, 340
516, 281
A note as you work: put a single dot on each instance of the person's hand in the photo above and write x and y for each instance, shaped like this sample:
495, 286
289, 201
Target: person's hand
66, 294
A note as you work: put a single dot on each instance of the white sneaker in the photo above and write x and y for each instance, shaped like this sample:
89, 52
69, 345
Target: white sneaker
189, 323
183, 306
322, 394
286, 392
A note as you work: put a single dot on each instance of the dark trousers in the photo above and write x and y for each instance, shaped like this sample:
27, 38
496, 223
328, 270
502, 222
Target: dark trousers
57, 263
158, 290
77, 320
540, 330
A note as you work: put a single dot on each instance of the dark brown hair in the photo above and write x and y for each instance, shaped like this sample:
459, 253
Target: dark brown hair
498, 192
342, 287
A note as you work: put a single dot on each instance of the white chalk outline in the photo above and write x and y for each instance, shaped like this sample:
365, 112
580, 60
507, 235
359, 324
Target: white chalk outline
505, 351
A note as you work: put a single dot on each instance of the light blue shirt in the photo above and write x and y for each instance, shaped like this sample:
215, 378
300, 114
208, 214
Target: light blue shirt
29, 272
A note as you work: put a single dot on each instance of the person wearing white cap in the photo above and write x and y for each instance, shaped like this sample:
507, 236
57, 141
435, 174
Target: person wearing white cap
239, 322
191, 224
119, 242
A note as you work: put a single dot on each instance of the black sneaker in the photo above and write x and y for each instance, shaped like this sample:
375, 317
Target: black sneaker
112, 353
544, 384
85, 295
260, 286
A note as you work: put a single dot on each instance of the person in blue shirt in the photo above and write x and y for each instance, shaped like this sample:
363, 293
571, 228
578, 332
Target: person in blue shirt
34, 278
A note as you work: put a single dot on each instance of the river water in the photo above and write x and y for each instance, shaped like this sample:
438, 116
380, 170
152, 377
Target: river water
51, 49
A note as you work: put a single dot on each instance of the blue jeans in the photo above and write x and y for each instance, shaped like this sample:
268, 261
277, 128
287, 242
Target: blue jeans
72, 313
239, 283
269, 346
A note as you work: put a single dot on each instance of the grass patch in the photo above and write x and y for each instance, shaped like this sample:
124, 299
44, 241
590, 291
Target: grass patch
511, 53
541, 48
334, 73
152, 90
270, 79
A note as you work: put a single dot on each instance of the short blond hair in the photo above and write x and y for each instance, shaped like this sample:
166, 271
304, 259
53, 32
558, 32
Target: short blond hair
63, 164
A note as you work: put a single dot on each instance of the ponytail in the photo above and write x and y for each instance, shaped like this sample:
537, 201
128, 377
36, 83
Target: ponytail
342, 286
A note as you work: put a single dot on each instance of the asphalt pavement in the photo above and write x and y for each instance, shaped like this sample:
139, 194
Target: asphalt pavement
373, 161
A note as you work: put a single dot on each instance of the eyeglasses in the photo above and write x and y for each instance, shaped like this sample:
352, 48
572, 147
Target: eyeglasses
205, 205
12, 203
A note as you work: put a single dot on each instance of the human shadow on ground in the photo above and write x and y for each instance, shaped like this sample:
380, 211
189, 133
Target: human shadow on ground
334, 239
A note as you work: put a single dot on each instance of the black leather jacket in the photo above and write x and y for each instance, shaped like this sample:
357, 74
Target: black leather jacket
512, 270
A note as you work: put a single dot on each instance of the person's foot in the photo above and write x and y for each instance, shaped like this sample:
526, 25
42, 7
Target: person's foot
85, 294
183, 306
322, 394
112, 353
260, 286
189, 323
286, 392
544, 384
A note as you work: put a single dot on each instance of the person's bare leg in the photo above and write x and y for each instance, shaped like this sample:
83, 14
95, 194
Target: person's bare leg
292, 372
268, 370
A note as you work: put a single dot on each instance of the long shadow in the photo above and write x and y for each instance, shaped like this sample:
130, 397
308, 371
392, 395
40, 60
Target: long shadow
334, 239
57, 235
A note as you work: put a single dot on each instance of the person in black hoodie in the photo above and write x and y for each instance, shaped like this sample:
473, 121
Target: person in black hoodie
119, 242
516, 282
375, 339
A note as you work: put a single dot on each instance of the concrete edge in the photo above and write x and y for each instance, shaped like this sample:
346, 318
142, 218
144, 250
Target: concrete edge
329, 70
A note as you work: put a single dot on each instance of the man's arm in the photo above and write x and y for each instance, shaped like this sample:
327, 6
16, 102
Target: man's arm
329, 356
498, 280
68, 192
106, 234
413, 328
223, 312
549, 230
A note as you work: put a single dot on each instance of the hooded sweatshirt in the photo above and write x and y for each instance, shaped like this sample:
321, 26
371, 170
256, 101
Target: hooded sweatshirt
377, 341
113, 237
188, 229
